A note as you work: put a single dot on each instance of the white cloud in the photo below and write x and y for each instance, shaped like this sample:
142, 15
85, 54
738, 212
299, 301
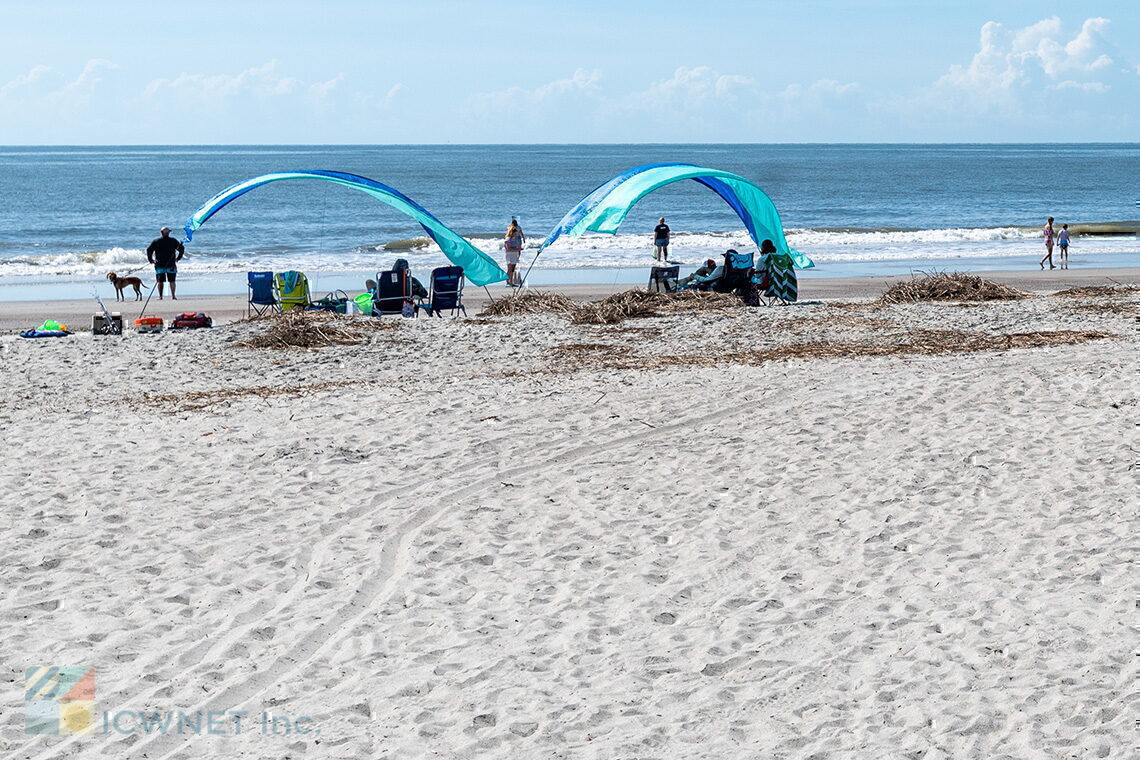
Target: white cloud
90, 77
36, 75
696, 88
1035, 56
258, 83
1096, 87
517, 100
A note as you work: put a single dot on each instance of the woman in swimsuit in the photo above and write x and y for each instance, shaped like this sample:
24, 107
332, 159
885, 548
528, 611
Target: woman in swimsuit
1048, 234
513, 243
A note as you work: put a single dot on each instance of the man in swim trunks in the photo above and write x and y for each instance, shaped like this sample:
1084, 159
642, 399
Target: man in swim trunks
165, 252
661, 241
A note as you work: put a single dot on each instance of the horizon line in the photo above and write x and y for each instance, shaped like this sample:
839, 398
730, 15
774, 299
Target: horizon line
540, 144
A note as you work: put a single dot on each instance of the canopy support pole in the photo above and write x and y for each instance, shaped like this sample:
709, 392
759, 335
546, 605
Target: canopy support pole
531, 266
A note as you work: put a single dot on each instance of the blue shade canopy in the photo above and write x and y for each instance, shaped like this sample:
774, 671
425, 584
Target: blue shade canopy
605, 209
478, 267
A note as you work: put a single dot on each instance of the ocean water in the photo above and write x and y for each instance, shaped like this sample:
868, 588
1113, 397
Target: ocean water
69, 215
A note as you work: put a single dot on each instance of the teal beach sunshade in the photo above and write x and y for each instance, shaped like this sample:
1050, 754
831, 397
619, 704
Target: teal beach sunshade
478, 267
606, 207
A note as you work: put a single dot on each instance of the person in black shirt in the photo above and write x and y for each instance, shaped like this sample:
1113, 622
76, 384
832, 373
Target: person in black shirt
661, 241
165, 252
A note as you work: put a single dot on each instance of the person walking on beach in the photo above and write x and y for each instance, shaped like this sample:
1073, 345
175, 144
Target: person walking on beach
1048, 234
165, 252
1063, 244
661, 241
513, 243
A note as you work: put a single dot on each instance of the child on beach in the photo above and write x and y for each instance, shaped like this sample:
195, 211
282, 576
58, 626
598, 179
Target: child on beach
1048, 234
1063, 242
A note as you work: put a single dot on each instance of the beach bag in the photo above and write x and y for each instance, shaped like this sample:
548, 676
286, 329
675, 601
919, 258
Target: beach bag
191, 320
409, 309
336, 302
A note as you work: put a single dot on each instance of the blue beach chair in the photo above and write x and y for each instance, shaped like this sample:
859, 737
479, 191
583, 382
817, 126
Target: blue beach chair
262, 293
446, 292
737, 273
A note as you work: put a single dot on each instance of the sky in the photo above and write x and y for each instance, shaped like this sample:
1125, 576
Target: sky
581, 71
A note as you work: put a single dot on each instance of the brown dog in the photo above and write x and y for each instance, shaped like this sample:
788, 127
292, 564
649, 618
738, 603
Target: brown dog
121, 283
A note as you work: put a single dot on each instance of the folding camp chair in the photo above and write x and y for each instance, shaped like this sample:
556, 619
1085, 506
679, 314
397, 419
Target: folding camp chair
664, 279
293, 290
446, 292
262, 294
737, 275
779, 283
393, 288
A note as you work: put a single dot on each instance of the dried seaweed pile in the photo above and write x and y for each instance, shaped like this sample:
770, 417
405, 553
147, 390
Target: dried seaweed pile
530, 302
949, 286
1098, 291
312, 329
1108, 307
190, 401
632, 304
914, 343
834, 318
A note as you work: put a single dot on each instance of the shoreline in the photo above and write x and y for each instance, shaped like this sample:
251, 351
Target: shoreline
16, 316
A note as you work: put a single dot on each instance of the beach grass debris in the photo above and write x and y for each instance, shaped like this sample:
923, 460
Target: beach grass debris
949, 286
912, 343
1098, 291
528, 302
1108, 306
834, 318
193, 401
299, 329
634, 304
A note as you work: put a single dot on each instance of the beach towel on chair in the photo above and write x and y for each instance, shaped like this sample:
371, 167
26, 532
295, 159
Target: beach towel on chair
293, 288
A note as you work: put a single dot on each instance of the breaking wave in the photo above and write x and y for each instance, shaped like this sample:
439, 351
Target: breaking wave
595, 251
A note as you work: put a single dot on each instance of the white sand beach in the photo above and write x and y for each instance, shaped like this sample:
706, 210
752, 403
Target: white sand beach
526, 538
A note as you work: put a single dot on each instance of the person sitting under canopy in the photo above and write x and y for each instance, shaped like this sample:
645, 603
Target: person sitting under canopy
704, 270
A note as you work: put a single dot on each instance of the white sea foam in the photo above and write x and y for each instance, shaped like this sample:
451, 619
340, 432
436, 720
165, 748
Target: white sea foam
586, 252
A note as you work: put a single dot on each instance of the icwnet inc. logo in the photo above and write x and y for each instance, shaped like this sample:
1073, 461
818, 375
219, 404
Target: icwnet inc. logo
59, 700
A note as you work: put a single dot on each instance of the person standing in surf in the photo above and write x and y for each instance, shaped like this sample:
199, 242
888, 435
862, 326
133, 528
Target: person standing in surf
661, 241
1047, 233
165, 252
513, 243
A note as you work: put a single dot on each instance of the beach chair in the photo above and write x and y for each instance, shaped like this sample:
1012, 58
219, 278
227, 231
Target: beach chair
262, 294
779, 283
293, 290
737, 277
446, 292
664, 279
393, 288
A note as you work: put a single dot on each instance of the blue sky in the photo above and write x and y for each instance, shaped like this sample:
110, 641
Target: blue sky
344, 71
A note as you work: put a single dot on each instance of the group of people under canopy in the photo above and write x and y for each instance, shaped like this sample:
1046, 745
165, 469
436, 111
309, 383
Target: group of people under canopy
772, 276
